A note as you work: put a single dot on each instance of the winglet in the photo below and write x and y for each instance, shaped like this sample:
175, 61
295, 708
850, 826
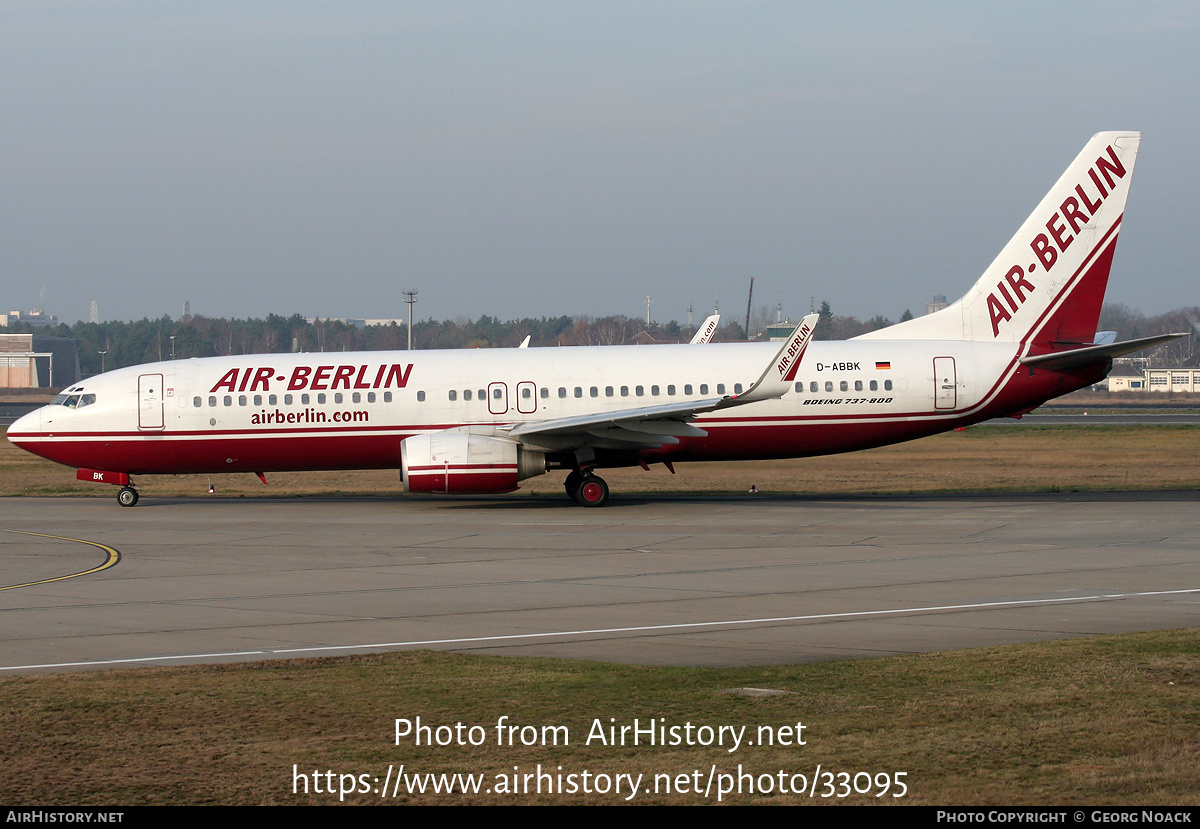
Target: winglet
778, 376
706, 330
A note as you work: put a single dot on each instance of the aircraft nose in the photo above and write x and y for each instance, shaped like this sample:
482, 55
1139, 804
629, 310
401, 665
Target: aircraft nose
25, 426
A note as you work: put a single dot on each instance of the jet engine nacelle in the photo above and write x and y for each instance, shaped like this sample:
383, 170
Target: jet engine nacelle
460, 462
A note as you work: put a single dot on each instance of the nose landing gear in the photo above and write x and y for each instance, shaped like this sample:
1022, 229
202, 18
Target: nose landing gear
127, 496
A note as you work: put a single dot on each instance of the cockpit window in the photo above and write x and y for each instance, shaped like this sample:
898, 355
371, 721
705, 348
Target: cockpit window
72, 399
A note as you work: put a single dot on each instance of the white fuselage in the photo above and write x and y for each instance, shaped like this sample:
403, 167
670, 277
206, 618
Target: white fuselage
351, 410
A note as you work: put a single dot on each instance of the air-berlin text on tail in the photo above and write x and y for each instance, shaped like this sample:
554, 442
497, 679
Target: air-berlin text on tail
1072, 214
317, 378
791, 358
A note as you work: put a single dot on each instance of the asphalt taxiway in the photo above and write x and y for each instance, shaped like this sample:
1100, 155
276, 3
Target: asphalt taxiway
670, 580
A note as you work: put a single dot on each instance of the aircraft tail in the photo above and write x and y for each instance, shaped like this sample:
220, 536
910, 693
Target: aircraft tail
1046, 287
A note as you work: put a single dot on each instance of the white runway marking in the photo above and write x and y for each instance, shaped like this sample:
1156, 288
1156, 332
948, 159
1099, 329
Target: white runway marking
479, 640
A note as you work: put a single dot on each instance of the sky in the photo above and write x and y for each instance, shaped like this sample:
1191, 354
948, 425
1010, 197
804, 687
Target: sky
523, 159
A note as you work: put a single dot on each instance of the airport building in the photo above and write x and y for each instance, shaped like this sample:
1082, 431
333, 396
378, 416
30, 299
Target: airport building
357, 323
1128, 378
37, 316
33, 361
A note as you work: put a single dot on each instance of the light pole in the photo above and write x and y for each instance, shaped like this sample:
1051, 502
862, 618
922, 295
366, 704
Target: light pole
172, 346
412, 298
102, 353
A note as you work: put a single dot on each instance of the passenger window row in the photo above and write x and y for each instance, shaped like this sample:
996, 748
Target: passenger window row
288, 399
526, 392
580, 392
843, 385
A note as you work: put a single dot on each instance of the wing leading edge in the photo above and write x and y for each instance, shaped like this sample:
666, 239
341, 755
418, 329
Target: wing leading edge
652, 426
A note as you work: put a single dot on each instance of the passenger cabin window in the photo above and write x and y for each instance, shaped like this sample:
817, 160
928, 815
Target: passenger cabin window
737, 388
321, 397
545, 392
466, 394
287, 399
813, 386
828, 385
305, 399
387, 397
639, 391
273, 400
887, 385
720, 388
562, 392
356, 397
258, 400
670, 389
704, 388
579, 391
594, 392
212, 401
196, 401
874, 385
624, 391
687, 389
609, 391
420, 397
454, 395
228, 401
858, 385
654, 390
241, 400
844, 386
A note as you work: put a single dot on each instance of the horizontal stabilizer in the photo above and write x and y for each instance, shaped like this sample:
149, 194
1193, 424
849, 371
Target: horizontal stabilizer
1089, 355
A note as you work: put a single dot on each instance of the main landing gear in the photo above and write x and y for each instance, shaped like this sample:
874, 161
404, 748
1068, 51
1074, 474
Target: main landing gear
588, 489
127, 496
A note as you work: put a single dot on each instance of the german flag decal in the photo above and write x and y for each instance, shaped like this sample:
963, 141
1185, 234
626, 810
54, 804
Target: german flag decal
882, 365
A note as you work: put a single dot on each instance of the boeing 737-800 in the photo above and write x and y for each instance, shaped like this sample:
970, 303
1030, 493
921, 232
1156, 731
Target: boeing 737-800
480, 421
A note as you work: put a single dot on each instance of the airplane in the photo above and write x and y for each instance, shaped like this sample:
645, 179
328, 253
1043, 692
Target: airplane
482, 420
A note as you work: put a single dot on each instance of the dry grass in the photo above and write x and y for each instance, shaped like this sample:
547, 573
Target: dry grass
980, 459
1111, 720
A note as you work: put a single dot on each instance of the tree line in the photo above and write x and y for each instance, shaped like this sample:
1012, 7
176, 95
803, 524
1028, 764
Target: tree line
116, 344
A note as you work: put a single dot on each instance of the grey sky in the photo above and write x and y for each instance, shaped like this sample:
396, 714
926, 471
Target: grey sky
535, 159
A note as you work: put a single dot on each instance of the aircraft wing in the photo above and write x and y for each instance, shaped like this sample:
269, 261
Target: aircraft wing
1094, 353
651, 426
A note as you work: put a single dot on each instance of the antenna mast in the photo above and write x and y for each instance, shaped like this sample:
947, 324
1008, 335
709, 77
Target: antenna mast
411, 301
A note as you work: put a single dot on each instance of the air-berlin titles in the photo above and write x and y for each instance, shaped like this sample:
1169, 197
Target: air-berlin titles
317, 378
791, 359
1074, 213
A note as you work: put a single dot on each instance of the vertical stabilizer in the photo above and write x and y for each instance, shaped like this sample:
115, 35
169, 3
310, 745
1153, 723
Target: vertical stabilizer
1046, 287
